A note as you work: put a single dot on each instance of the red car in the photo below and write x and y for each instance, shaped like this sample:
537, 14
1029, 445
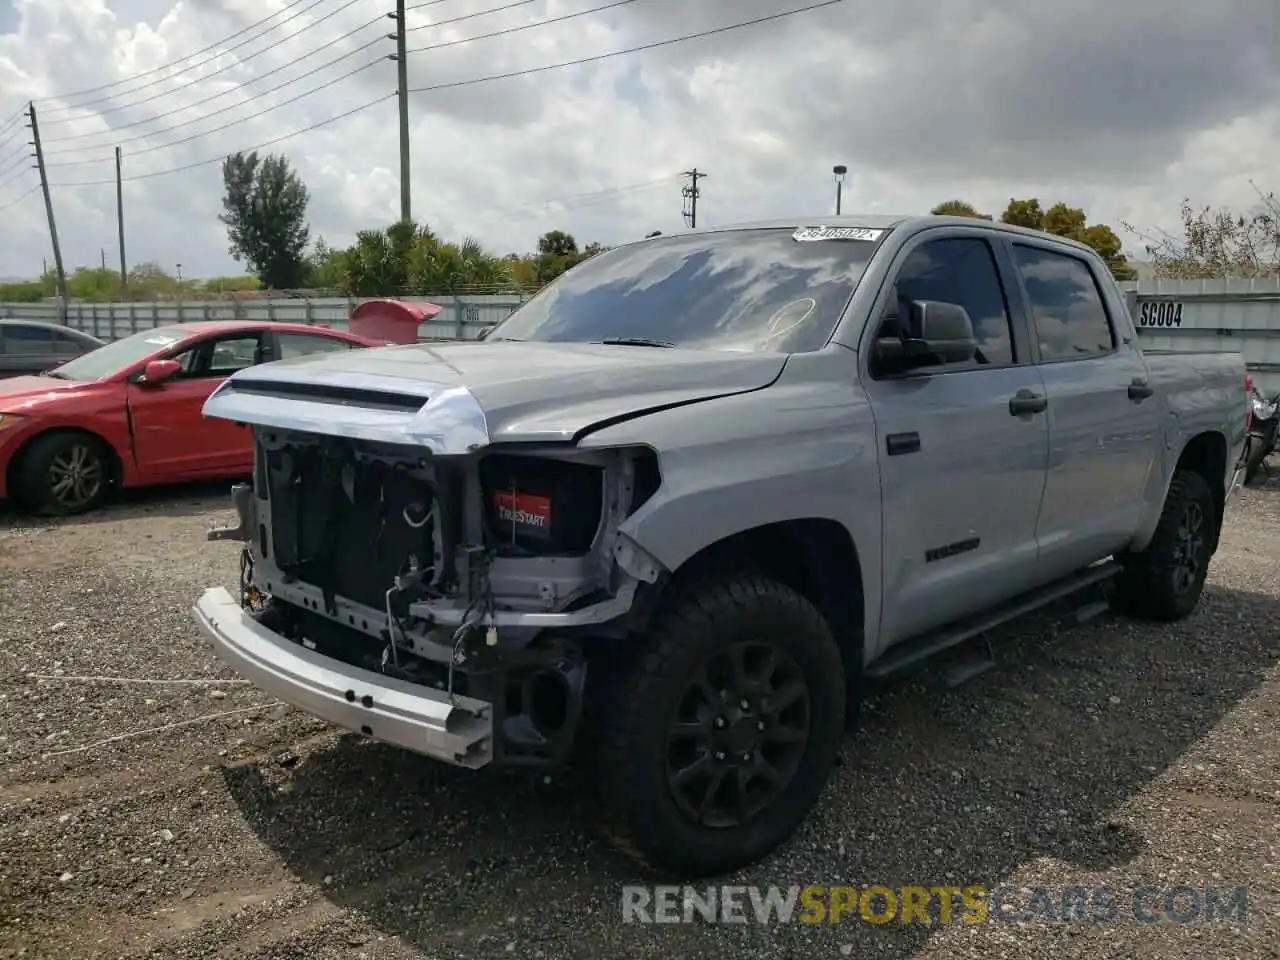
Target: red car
129, 413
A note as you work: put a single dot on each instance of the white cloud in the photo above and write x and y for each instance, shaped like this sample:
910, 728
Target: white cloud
1123, 110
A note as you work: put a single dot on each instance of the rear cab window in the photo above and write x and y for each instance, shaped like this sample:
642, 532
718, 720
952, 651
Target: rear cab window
1069, 314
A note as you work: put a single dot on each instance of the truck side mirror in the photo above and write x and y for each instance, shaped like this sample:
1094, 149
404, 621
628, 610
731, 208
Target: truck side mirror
935, 333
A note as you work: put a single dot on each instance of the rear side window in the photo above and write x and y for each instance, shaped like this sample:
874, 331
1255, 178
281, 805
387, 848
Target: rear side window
20, 341
303, 344
1070, 318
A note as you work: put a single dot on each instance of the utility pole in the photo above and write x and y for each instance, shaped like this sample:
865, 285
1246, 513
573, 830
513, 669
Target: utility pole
402, 94
103, 251
691, 192
48, 209
124, 271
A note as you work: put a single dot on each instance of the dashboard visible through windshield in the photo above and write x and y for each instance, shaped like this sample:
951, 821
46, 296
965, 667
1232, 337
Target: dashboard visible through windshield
751, 290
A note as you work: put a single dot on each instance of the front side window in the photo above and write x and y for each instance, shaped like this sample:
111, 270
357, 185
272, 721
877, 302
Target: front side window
749, 290
219, 357
1070, 318
961, 271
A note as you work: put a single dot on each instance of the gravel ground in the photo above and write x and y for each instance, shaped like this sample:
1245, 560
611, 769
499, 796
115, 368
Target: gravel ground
1112, 753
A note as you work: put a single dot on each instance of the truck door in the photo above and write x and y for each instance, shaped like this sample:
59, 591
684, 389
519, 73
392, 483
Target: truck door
1103, 416
963, 448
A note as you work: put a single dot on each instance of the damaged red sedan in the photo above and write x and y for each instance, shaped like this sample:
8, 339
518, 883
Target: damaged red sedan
129, 413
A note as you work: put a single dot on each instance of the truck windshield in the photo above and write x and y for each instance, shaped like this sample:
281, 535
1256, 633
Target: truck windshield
752, 290
115, 356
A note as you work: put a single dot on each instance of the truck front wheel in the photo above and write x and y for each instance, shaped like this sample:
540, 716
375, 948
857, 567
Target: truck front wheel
719, 735
1164, 581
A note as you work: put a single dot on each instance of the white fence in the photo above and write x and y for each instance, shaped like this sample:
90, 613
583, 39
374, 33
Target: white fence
1238, 315
462, 318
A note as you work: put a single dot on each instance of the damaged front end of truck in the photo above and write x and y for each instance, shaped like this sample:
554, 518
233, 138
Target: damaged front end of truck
405, 576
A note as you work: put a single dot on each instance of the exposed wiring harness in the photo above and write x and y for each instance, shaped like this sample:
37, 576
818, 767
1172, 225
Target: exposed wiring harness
480, 609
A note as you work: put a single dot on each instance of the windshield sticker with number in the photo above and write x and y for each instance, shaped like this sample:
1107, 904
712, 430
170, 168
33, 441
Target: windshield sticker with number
836, 233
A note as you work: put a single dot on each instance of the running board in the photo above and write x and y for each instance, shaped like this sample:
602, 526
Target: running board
912, 652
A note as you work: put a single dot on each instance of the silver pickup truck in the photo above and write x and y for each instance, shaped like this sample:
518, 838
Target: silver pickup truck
680, 506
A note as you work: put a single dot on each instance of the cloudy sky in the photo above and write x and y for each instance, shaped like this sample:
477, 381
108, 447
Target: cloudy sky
1123, 108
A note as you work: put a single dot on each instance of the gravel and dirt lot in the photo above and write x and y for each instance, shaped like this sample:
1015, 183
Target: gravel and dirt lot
199, 819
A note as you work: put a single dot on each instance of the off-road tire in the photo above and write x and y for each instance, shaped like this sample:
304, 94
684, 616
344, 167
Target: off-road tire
1146, 587
639, 700
34, 486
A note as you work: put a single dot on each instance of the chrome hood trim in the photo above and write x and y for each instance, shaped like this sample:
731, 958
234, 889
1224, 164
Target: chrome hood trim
449, 422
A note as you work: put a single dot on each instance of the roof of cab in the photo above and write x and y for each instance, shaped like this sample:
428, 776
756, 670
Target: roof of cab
880, 221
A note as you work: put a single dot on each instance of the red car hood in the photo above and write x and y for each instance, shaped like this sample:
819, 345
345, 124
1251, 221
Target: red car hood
19, 394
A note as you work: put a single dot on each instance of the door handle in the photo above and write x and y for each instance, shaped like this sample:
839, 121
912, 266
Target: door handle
1026, 402
897, 444
1139, 390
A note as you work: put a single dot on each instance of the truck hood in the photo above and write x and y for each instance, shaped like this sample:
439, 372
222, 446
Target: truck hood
458, 397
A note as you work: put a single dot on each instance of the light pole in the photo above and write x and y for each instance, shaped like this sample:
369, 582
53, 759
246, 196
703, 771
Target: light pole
838, 172
179, 273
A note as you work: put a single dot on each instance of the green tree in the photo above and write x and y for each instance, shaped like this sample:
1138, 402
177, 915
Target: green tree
324, 267
265, 213
1219, 242
958, 208
557, 243
1024, 213
22, 291
1071, 222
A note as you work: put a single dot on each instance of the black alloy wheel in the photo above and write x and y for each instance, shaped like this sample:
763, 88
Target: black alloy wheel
739, 734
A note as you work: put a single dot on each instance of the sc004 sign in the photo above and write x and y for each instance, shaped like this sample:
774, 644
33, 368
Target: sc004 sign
1160, 313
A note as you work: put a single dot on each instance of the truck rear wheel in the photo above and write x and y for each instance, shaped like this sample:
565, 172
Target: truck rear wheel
1164, 581
718, 737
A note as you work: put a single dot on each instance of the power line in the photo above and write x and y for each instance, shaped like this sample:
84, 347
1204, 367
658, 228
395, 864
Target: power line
618, 53
468, 16
219, 159
216, 47
221, 51
280, 86
13, 130
22, 161
516, 29
226, 126
13, 203
423, 6
223, 93
458, 83
9, 123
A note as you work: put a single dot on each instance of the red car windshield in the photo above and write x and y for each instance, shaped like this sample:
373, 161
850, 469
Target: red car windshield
119, 354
